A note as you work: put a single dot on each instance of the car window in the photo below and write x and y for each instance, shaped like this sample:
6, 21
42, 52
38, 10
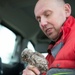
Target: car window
7, 43
30, 46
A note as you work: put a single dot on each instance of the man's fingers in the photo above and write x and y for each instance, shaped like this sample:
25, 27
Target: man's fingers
34, 69
28, 72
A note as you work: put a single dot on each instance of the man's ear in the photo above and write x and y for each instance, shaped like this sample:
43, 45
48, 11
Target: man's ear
67, 9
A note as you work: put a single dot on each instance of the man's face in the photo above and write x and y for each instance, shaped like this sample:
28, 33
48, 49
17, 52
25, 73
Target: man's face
50, 16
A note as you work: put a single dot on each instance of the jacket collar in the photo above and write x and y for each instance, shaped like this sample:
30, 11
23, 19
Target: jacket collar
66, 28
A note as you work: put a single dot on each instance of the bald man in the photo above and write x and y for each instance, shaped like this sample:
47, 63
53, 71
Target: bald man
55, 20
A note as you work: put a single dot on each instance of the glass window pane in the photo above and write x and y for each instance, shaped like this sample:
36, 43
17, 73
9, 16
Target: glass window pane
7, 44
30, 46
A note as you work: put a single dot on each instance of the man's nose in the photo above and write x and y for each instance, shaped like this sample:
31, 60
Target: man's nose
43, 22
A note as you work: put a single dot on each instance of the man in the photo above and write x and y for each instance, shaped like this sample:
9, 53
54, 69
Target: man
55, 20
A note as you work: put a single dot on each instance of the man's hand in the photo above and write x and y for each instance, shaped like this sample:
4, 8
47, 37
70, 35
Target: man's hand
31, 70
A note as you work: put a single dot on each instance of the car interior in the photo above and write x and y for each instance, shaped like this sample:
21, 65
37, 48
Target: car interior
19, 30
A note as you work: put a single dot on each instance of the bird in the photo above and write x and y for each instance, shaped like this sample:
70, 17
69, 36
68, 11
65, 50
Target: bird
35, 58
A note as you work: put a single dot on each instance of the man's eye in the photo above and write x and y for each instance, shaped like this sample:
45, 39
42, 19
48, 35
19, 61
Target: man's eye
47, 15
39, 20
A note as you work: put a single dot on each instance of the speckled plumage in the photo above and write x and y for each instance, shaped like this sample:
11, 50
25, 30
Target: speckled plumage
35, 58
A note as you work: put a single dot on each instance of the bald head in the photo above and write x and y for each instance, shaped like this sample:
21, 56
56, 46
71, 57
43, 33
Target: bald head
52, 3
56, 1
51, 14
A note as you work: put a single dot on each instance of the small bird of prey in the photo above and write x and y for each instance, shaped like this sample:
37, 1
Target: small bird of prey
35, 58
